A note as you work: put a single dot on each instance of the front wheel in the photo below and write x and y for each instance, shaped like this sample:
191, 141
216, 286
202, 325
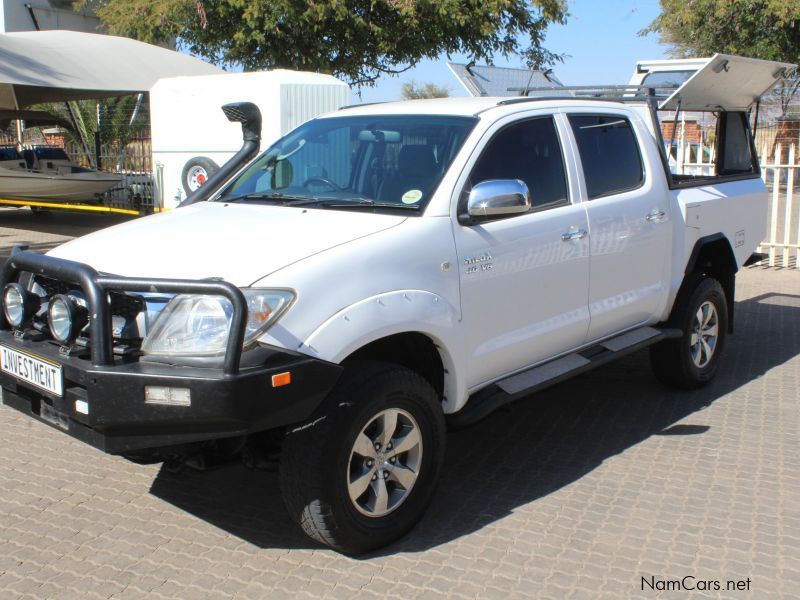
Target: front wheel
361, 473
701, 313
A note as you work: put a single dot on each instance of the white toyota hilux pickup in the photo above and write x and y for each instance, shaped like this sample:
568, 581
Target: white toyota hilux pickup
385, 269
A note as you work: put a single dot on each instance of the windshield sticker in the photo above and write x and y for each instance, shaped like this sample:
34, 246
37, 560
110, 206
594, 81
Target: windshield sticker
412, 197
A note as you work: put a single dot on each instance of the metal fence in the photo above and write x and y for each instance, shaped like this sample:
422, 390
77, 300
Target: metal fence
133, 162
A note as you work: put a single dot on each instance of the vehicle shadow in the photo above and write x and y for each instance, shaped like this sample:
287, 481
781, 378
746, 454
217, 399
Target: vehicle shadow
521, 453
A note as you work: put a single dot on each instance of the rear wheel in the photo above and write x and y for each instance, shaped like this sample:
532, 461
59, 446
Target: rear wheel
361, 473
701, 313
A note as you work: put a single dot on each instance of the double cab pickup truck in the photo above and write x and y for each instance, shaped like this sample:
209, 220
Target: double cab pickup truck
389, 269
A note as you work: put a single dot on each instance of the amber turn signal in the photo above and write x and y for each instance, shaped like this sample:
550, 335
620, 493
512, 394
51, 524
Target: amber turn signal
282, 379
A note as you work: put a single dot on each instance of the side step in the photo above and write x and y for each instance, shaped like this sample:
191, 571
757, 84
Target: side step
514, 387
755, 258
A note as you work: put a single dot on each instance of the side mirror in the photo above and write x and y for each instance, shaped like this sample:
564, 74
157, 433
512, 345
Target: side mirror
497, 198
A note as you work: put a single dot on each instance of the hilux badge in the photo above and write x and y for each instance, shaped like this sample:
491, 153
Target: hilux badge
478, 262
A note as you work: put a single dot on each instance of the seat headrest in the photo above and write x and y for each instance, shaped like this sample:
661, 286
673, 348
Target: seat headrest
30, 158
417, 160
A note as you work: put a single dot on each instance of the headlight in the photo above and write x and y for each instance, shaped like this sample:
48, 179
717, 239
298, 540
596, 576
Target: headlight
197, 325
14, 308
66, 318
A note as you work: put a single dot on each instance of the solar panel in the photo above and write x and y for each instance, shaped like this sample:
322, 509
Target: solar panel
483, 80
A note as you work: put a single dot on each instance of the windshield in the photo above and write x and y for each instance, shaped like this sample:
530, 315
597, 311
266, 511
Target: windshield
377, 161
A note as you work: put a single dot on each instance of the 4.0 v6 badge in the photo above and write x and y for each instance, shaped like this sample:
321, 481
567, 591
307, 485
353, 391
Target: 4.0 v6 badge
478, 262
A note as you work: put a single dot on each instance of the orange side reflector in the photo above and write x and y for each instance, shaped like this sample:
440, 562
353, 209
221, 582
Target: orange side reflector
282, 379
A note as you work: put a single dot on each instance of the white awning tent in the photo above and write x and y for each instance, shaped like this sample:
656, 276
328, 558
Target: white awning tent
50, 66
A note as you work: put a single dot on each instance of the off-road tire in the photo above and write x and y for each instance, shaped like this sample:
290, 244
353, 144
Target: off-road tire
672, 360
315, 457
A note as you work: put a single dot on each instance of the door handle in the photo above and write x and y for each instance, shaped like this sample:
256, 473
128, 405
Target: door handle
654, 216
578, 234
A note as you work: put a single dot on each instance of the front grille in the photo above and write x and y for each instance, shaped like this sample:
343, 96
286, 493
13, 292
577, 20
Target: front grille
125, 305
53, 286
125, 311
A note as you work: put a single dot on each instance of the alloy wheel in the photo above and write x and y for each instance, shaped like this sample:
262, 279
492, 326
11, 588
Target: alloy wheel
384, 463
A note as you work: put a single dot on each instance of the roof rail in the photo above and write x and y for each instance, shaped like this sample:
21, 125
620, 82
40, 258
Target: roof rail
615, 93
348, 106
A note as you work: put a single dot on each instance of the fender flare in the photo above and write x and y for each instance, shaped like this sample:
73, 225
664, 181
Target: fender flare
726, 274
390, 313
705, 241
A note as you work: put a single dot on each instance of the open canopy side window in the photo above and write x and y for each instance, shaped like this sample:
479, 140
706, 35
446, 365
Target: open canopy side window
704, 122
727, 82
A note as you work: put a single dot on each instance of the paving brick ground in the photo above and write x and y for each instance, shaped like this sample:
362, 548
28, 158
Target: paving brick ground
579, 492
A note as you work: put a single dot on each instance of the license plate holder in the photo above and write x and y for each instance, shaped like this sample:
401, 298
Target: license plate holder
33, 370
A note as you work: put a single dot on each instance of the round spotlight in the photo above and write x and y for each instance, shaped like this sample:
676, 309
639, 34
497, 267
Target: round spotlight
65, 318
18, 304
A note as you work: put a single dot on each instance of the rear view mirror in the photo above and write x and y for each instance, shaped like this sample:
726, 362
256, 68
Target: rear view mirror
498, 197
380, 135
282, 175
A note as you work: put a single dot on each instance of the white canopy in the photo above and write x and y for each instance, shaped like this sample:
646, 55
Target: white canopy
48, 66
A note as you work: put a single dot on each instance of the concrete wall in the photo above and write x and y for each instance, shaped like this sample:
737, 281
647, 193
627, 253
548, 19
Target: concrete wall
51, 14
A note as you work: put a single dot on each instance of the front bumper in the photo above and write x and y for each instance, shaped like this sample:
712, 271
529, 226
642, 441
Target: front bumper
105, 406
103, 400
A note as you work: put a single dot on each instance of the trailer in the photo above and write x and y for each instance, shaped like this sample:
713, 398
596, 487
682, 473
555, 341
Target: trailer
191, 138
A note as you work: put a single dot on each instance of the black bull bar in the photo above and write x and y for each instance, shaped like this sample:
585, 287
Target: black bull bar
96, 287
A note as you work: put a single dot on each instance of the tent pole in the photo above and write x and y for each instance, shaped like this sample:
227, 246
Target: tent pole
33, 16
136, 108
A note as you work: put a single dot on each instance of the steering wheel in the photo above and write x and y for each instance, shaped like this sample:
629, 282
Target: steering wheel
324, 181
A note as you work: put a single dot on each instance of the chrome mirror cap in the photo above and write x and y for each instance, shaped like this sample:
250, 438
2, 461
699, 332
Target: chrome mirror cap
498, 197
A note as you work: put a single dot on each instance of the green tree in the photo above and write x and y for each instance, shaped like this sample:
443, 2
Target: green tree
115, 115
766, 29
411, 91
116, 126
356, 40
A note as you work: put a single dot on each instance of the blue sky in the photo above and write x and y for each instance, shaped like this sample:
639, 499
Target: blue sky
600, 36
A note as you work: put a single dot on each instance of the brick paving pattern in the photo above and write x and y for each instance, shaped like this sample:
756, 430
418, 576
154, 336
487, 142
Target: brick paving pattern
578, 492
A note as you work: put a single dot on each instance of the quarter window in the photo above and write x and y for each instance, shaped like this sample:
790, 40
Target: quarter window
609, 154
529, 151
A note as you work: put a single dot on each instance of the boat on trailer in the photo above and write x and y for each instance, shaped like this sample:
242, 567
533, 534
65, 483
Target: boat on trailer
46, 174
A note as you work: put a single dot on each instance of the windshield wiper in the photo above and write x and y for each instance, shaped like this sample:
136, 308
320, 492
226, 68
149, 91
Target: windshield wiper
287, 199
322, 202
362, 203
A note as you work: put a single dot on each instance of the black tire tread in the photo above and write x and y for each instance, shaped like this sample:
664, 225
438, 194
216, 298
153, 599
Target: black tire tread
304, 445
667, 358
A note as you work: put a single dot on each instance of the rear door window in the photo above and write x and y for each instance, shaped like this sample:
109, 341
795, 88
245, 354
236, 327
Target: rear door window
609, 151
